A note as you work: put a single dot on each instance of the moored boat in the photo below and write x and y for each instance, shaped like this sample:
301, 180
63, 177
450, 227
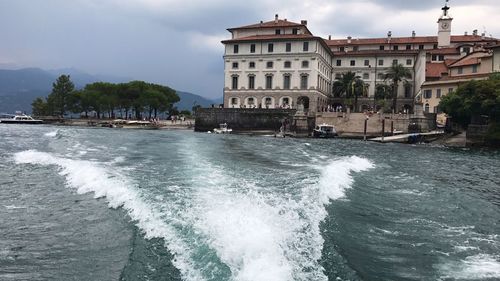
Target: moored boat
324, 131
20, 119
223, 129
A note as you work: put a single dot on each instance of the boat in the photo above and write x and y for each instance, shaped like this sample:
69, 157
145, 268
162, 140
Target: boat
223, 129
20, 119
324, 131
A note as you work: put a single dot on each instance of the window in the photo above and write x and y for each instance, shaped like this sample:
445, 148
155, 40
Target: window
236, 49
407, 91
420, 47
408, 47
408, 62
234, 84
270, 47
353, 62
286, 81
235, 65
381, 76
381, 47
435, 46
305, 64
450, 90
250, 101
341, 49
269, 64
277, 32
286, 101
268, 102
295, 31
339, 62
252, 48
338, 76
441, 57
474, 68
460, 70
251, 64
426, 108
251, 82
234, 100
395, 62
269, 82
438, 93
427, 94
367, 63
303, 82
466, 50
288, 64
288, 47
380, 62
305, 47
366, 76
355, 48
395, 47
434, 57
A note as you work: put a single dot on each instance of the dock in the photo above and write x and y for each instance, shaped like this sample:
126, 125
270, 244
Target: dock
409, 138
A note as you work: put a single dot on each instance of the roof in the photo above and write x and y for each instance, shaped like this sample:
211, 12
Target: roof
376, 52
471, 59
407, 40
269, 24
457, 79
445, 51
272, 37
435, 70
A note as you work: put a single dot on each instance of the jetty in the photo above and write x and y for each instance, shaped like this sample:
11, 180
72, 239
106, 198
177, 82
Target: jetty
410, 138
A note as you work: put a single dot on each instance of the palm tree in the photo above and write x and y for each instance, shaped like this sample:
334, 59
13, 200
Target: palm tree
397, 73
349, 85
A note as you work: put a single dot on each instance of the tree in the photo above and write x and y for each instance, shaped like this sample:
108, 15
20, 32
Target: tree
397, 73
349, 85
61, 89
39, 107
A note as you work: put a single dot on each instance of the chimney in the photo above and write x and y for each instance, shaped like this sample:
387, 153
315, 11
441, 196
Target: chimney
349, 39
329, 37
474, 32
276, 18
413, 34
261, 21
303, 22
389, 34
483, 35
285, 19
465, 33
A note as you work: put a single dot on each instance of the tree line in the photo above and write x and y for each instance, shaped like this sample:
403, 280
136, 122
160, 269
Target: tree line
135, 99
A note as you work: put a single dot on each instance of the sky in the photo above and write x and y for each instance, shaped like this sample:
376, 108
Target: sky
177, 43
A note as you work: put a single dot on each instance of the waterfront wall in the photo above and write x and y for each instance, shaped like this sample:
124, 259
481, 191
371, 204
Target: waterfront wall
242, 119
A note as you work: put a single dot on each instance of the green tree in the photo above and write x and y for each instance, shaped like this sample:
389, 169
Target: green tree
61, 89
348, 86
397, 73
39, 107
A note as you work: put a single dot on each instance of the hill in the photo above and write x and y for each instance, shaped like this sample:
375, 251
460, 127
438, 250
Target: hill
188, 100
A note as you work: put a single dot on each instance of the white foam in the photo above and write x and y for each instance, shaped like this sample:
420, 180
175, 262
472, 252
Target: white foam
336, 177
88, 176
51, 134
475, 267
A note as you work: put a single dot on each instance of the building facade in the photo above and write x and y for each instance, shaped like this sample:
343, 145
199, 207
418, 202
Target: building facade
282, 64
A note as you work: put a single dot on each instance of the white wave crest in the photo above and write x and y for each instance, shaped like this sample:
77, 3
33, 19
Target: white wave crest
475, 267
88, 176
336, 177
51, 134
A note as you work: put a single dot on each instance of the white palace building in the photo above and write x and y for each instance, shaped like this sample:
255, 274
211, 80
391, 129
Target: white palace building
281, 64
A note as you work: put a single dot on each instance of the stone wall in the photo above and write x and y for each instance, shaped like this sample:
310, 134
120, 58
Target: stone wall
242, 119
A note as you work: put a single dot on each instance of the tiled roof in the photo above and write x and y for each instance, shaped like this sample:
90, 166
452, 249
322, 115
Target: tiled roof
407, 40
435, 70
271, 37
376, 52
449, 62
469, 60
445, 51
269, 24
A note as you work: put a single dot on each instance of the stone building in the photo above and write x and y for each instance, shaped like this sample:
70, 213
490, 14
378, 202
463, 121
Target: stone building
282, 64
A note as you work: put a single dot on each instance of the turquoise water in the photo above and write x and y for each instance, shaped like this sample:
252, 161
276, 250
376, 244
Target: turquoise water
111, 204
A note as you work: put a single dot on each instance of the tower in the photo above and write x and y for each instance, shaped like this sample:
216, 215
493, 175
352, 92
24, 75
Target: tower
444, 27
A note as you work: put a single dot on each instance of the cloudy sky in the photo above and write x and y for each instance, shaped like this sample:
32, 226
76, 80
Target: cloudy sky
177, 43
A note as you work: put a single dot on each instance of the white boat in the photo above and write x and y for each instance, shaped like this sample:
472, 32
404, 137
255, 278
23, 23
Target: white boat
223, 129
324, 131
20, 119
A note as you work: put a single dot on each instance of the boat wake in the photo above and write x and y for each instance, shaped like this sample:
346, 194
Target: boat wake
228, 229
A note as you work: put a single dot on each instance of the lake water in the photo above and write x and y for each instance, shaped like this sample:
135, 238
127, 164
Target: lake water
116, 204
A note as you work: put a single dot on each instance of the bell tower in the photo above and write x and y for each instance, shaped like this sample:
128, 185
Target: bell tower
444, 27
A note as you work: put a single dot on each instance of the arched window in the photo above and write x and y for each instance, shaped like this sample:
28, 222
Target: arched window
427, 108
